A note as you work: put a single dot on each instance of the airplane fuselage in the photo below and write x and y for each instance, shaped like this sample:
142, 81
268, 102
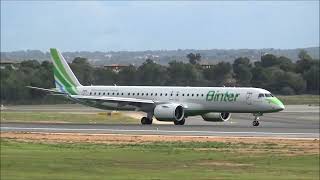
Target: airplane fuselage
196, 100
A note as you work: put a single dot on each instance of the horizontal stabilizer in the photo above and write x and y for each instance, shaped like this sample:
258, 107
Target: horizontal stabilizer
46, 90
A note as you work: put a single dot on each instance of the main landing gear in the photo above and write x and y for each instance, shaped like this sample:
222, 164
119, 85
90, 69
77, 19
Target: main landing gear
181, 122
147, 120
256, 119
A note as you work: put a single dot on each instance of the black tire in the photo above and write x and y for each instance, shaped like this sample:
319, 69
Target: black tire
255, 123
149, 121
181, 122
144, 120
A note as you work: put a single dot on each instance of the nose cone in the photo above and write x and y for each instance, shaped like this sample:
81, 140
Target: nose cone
280, 105
277, 105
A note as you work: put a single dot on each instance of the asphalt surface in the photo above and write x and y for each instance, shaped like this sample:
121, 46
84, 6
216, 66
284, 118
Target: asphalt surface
297, 121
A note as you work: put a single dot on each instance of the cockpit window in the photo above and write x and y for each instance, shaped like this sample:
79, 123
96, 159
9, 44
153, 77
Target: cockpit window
261, 95
268, 95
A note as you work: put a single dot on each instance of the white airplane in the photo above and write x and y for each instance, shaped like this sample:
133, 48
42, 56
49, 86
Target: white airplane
165, 103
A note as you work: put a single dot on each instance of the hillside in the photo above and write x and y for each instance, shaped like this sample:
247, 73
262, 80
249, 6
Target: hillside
160, 56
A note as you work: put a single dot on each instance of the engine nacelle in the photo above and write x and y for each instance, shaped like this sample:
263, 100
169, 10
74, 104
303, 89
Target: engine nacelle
169, 112
216, 117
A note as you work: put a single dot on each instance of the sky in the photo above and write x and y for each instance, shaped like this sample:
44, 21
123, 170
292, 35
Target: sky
158, 25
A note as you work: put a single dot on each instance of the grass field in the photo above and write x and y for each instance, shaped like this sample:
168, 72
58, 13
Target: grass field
300, 99
157, 160
65, 117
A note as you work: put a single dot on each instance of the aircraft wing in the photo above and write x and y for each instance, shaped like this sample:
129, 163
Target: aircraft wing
113, 99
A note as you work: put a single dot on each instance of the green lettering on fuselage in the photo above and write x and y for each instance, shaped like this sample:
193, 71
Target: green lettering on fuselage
226, 97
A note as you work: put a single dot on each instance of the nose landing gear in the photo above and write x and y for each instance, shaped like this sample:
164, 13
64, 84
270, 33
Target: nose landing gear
256, 119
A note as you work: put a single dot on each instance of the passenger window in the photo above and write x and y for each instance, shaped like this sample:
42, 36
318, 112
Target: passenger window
197, 94
202, 95
128, 94
151, 94
108, 93
160, 94
156, 94
166, 94
177, 94
112, 93
121, 93
99, 94
146, 94
142, 94
182, 94
192, 95
90, 93
118, 94
187, 94
170, 94
132, 94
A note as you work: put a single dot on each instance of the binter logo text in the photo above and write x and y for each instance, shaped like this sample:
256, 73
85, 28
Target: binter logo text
226, 97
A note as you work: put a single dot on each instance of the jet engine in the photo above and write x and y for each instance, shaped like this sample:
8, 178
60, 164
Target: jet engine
216, 117
169, 112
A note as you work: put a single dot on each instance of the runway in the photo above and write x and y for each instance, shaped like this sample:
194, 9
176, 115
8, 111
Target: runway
295, 122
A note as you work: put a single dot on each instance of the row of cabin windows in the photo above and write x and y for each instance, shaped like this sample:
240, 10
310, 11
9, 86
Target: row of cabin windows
142, 94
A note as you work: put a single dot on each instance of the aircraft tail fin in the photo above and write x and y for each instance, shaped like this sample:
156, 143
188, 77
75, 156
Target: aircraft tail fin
65, 80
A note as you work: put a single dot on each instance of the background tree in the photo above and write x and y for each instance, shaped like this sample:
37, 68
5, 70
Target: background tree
219, 74
150, 73
128, 76
83, 70
182, 74
260, 77
305, 62
286, 64
242, 71
102, 76
194, 58
269, 60
312, 78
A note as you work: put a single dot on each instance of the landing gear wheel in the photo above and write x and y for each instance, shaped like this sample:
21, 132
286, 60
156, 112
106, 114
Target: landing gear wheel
255, 123
181, 122
145, 120
256, 119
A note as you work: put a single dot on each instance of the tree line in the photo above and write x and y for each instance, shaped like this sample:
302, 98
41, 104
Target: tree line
280, 75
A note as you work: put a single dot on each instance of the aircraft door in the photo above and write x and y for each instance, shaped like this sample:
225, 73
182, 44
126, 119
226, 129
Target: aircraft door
249, 98
85, 93
174, 96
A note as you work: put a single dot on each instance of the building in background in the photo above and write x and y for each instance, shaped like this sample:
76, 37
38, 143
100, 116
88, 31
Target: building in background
115, 67
13, 64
